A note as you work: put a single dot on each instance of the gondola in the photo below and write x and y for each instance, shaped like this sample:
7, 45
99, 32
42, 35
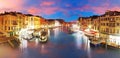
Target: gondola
43, 37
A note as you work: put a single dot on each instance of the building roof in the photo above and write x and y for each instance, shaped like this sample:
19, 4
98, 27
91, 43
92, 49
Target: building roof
11, 13
111, 13
28, 14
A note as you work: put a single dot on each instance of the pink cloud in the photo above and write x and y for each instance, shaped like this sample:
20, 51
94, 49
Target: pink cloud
42, 10
47, 3
45, 7
115, 8
33, 10
67, 5
11, 5
85, 8
49, 10
101, 9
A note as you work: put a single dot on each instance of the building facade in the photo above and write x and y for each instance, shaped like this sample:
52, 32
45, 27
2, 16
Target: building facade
13, 22
108, 26
85, 22
9, 23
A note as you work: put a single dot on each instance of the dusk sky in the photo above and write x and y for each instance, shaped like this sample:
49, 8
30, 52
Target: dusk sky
68, 10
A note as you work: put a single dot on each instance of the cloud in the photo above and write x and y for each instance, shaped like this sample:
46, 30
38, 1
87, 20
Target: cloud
103, 9
47, 3
99, 6
33, 10
44, 7
11, 5
67, 8
115, 8
42, 10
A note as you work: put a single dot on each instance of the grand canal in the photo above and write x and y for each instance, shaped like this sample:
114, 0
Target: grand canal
61, 44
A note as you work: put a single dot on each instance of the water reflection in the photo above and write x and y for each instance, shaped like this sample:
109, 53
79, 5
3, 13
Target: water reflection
23, 44
64, 45
56, 32
8, 52
36, 41
43, 49
82, 42
64, 42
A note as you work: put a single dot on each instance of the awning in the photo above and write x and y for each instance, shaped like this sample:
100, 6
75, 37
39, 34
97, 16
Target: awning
90, 32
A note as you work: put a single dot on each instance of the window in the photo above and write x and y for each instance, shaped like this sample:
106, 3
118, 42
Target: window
117, 24
5, 27
5, 22
107, 24
14, 23
8, 28
118, 31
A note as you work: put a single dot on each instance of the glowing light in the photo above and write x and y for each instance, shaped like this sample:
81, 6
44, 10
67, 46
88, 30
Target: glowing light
23, 42
79, 38
56, 32
24, 34
75, 27
114, 39
57, 23
82, 39
87, 30
89, 26
48, 32
36, 41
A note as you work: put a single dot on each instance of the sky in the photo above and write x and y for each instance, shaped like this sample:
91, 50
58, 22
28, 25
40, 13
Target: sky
68, 10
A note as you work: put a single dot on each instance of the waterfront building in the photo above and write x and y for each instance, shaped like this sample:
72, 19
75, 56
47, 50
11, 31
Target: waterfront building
85, 22
9, 22
108, 26
32, 22
13, 22
55, 22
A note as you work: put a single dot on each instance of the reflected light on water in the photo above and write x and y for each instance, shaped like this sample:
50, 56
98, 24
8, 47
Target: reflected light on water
81, 40
23, 44
36, 41
43, 50
22, 33
87, 46
78, 39
48, 32
8, 52
56, 30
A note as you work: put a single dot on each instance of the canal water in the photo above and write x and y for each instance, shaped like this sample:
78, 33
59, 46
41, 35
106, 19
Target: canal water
61, 44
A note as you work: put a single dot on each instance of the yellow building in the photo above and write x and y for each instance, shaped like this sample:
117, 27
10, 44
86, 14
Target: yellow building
20, 22
9, 23
85, 22
33, 22
108, 26
13, 22
95, 23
